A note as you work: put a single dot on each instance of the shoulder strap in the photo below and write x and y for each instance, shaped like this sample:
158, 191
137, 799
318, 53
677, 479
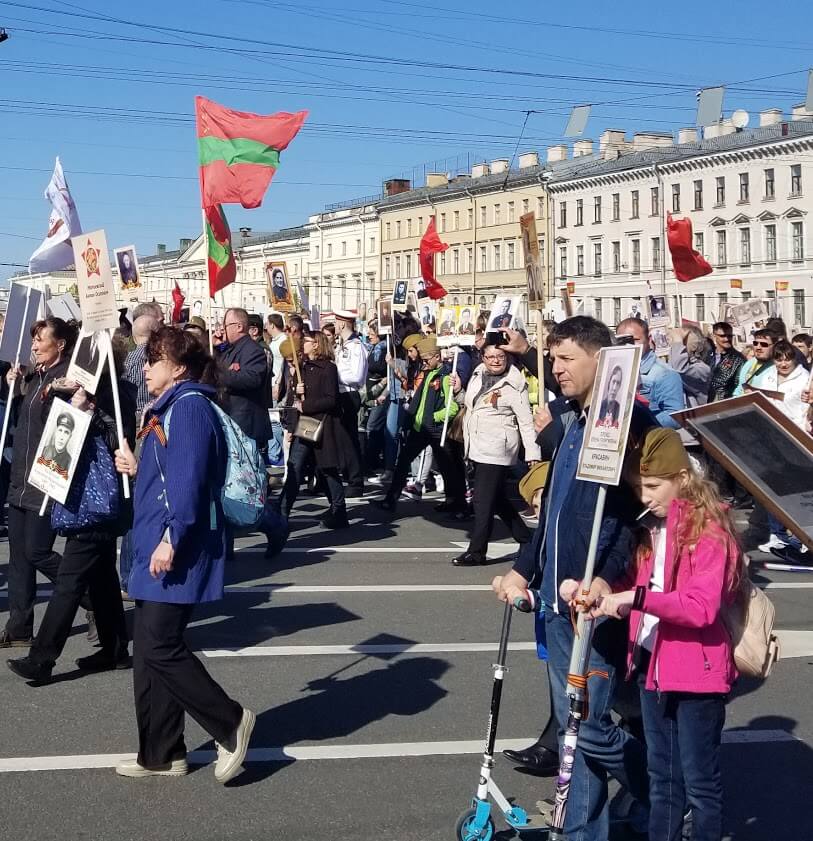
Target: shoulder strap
165, 422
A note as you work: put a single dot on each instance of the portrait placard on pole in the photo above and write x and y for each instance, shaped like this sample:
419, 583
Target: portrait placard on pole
64, 307
280, 297
94, 279
605, 437
88, 361
127, 263
533, 261
24, 304
399, 296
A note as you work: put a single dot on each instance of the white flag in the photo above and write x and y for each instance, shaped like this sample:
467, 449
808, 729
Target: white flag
55, 252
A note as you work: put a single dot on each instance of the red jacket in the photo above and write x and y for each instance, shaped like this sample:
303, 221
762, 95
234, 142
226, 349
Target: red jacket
692, 649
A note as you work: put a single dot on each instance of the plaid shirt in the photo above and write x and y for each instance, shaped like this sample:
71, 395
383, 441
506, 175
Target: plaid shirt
134, 373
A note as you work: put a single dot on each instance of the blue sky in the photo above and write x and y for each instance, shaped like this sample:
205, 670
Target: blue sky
382, 80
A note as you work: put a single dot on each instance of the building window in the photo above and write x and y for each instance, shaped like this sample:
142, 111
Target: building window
598, 304
744, 187
409, 227
579, 211
698, 195
616, 257
470, 259
655, 208
799, 307
328, 295
329, 250
770, 243
597, 259
510, 255
676, 198
745, 295
616, 206
597, 209
397, 267
656, 253
358, 246
510, 211
616, 311
542, 250
387, 231
407, 265
722, 300
456, 261
470, 218
720, 191
579, 260
387, 269
483, 259
745, 246
343, 293
526, 206
700, 307
636, 255
420, 224
315, 252
721, 248
497, 258
442, 221
797, 242
636, 209
563, 262
456, 220
442, 262
770, 185
372, 245
563, 214
398, 229
540, 207
796, 180
483, 219
700, 243
497, 214
344, 248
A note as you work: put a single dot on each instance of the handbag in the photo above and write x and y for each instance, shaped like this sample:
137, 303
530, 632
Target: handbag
309, 428
455, 430
749, 622
93, 497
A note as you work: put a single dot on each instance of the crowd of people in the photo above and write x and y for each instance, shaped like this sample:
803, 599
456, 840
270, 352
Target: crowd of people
496, 426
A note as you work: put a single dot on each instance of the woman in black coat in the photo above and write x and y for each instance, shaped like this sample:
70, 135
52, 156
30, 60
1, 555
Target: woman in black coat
317, 396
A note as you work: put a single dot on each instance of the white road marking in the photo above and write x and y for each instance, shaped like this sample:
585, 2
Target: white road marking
795, 644
294, 589
320, 752
408, 648
356, 550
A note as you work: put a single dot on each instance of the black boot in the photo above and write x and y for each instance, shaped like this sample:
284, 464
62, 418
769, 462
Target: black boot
37, 673
335, 519
105, 661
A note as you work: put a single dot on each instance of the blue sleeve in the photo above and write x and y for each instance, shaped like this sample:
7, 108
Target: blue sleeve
615, 546
191, 462
667, 395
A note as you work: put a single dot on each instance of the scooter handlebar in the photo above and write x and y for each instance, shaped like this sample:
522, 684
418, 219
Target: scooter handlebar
524, 605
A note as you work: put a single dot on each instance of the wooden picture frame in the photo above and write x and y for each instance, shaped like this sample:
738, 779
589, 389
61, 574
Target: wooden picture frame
764, 451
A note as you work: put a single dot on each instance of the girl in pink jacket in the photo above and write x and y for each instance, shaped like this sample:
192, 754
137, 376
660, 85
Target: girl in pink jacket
688, 565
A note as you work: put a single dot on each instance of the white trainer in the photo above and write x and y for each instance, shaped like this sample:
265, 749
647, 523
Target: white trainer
229, 762
132, 768
775, 542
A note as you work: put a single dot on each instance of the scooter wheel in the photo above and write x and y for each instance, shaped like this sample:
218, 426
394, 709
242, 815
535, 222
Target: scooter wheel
464, 830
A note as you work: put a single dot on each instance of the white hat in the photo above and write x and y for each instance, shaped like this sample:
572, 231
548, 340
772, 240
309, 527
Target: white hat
345, 315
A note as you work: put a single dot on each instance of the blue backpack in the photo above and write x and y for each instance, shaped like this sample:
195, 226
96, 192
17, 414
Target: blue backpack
244, 490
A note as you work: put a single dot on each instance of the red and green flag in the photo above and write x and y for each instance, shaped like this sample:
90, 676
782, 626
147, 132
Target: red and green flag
220, 261
239, 152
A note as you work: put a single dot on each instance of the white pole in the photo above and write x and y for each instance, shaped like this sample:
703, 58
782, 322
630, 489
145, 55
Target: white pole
114, 383
449, 398
7, 413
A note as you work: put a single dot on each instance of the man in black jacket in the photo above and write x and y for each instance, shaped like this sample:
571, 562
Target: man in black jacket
243, 370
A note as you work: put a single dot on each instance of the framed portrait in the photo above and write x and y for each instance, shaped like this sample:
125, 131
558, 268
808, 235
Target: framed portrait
94, 281
58, 450
280, 296
23, 309
127, 264
764, 451
660, 338
605, 439
399, 296
503, 313
466, 325
657, 311
447, 321
532, 260
384, 317
420, 288
88, 359
426, 314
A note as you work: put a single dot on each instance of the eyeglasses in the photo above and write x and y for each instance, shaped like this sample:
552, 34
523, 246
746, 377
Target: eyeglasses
762, 344
231, 324
494, 358
725, 336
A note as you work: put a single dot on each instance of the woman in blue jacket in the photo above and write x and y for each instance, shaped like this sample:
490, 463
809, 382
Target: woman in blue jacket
179, 549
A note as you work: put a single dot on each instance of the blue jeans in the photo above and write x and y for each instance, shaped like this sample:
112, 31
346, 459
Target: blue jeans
683, 734
275, 443
395, 416
376, 435
603, 747
782, 533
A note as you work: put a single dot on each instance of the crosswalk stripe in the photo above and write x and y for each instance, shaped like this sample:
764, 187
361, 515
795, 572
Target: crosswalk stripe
363, 648
290, 753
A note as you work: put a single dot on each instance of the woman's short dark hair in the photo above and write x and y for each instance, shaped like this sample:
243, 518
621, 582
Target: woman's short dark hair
181, 348
62, 330
782, 350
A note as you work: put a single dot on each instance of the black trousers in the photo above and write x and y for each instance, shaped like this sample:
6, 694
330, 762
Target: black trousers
299, 457
349, 405
88, 565
490, 497
31, 549
168, 681
454, 480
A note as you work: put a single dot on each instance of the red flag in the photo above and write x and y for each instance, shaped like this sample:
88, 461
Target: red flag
220, 263
686, 262
431, 245
177, 303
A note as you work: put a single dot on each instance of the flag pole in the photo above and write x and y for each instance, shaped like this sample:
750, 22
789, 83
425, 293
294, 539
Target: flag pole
111, 362
7, 413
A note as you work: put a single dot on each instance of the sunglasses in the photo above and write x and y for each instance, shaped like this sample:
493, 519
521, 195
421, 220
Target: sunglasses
762, 344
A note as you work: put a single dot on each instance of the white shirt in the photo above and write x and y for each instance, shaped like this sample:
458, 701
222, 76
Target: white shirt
351, 360
792, 406
277, 361
650, 623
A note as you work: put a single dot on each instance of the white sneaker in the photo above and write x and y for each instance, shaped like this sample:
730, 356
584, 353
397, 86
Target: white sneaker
775, 542
132, 768
383, 479
229, 762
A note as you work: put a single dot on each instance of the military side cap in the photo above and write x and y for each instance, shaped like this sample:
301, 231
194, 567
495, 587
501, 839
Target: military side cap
427, 346
534, 480
286, 349
411, 340
661, 454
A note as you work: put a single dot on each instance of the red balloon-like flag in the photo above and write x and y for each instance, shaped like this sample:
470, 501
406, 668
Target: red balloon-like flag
687, 263
431, 245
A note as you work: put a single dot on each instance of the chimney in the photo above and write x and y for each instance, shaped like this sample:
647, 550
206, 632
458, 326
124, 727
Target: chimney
480, 170
650, 140
436, 179
528, 159
771, 117
720, 129
582, 147
557, 153
612, 143
687, 135
499, 166
800, 112
185, 243
394, 186
245, 233
161, 249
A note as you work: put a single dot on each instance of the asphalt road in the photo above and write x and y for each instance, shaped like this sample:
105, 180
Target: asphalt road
368, 746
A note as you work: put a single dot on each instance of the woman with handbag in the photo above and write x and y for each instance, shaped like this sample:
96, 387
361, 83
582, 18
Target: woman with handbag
498, 418
318, 431
92, 519
179, 542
